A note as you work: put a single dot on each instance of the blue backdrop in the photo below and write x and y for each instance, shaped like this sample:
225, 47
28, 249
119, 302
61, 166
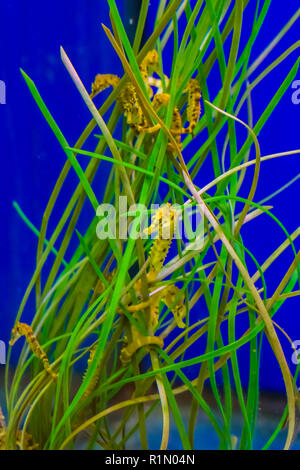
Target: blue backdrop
30, 35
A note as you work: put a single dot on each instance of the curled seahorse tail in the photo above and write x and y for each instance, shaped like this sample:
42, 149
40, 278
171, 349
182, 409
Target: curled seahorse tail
139, 342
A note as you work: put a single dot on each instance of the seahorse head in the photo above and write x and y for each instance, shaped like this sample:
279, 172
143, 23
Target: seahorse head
16, 333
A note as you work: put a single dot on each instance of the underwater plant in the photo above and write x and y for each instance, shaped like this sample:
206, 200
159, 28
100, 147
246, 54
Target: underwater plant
149, 313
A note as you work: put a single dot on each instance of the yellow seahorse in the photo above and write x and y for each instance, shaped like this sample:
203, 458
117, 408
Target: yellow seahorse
22, 329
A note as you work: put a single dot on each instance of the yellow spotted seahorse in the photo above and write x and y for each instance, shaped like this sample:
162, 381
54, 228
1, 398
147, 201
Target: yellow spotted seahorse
94, 380
28, 442
163, 223
22, 329
193, 106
